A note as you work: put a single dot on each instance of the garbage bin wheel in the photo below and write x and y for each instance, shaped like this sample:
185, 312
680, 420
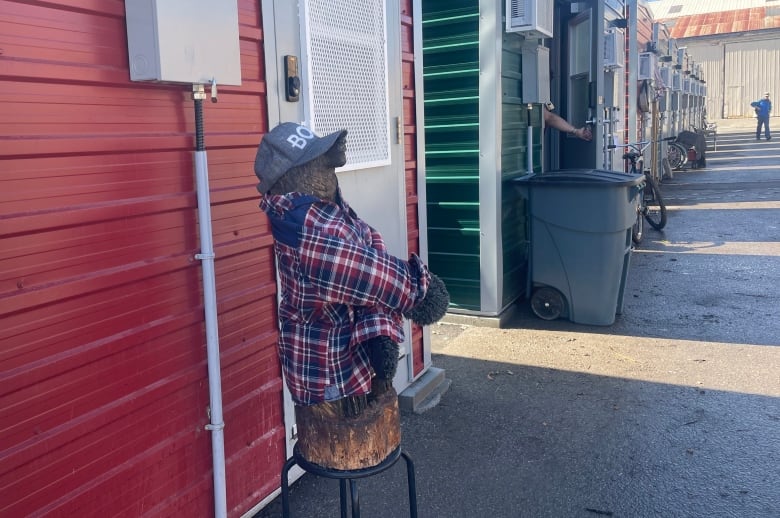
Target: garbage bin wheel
547, 303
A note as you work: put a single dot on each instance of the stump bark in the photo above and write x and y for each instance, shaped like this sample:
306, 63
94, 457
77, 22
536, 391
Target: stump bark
327, 438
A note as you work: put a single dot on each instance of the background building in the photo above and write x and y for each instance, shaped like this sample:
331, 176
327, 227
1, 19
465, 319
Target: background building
737, 44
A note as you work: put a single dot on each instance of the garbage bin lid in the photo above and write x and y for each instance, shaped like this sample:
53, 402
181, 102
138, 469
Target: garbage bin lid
582, 177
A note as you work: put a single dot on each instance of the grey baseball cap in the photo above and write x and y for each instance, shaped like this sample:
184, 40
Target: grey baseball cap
286, 146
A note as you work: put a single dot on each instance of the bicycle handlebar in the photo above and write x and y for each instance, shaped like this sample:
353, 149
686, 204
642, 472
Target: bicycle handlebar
640, 146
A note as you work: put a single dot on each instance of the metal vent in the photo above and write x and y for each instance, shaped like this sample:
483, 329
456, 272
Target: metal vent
646, 69
519, 9
676, 82
346, 70
614, 50
533, 17
664, 74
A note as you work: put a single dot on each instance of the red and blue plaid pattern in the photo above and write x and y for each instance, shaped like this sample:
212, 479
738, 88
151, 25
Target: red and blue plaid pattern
339, 287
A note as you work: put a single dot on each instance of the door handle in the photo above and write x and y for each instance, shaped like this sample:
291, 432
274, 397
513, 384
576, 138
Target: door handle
292, 83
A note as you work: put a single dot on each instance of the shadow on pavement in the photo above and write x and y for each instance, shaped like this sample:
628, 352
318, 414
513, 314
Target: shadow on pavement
510, 440
672, 411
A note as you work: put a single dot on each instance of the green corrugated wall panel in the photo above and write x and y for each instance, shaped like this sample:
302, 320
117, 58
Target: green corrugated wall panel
451, 77
514, 235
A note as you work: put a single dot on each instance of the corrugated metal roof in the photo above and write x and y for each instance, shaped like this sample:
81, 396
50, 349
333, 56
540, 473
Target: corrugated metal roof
678, 8
723, 22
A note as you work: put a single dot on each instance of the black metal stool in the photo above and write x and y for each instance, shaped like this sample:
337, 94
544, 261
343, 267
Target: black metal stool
348, 475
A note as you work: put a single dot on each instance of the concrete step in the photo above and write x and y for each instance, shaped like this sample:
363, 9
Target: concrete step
425, 393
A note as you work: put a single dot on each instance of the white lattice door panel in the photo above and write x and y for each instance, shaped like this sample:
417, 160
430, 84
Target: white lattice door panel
345, 68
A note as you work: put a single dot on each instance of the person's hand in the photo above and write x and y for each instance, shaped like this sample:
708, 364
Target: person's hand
583, 133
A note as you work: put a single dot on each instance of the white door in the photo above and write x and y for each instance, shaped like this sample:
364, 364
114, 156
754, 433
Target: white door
348, 60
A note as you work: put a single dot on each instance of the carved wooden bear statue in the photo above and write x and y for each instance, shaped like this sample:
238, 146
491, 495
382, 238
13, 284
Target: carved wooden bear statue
343, 300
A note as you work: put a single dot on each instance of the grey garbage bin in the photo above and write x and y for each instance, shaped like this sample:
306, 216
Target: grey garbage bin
580, 240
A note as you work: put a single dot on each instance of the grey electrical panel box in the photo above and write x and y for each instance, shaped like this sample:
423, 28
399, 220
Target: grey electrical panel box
536, 74
183, 41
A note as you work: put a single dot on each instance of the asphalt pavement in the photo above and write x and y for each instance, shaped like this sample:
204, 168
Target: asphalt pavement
672, 411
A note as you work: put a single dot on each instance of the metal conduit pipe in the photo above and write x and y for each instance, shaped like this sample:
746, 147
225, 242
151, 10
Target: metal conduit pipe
206, 256
530, 140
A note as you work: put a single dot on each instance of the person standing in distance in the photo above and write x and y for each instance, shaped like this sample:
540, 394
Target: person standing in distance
763, 108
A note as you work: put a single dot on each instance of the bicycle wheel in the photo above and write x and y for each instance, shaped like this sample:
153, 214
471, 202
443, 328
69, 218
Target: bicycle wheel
655, 208
638, 230
676, 154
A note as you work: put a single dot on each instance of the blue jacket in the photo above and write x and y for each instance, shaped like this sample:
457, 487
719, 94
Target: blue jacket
764, 107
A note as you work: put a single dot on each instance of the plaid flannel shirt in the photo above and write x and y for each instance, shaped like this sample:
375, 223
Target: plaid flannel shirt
339, 287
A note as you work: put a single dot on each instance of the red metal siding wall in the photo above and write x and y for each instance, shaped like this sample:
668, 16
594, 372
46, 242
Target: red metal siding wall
410, 156
103, 388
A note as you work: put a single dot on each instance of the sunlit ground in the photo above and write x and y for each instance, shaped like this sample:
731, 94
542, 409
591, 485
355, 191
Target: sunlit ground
727, 366
731, 205
748, 369
758, 248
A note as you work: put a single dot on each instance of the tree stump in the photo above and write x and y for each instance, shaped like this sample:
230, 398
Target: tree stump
329, 439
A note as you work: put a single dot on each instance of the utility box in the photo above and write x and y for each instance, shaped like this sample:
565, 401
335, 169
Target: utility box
532, 17
183, 41
536, 74
614, 49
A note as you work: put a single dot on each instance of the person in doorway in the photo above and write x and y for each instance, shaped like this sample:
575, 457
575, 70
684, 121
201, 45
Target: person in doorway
561, 124
763, 108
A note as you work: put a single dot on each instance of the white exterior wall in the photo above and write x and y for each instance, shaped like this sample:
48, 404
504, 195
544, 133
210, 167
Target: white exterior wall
751, 68
738, 69
711, 58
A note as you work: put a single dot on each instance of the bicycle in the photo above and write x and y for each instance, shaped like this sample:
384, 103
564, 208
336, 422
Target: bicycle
676, 154
651, 205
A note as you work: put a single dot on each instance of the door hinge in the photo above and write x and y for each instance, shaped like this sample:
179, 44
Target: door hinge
399, 130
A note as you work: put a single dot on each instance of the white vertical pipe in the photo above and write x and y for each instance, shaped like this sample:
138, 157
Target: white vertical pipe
530, 144
206, 256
